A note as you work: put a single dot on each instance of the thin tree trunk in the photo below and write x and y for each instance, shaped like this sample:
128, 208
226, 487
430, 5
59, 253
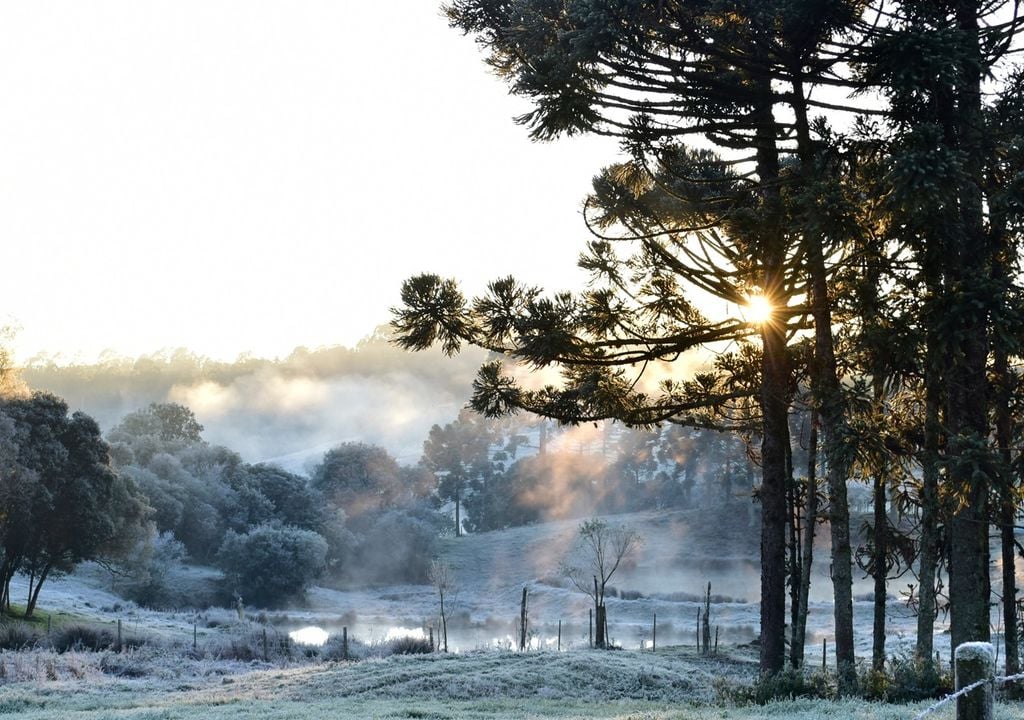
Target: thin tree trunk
881, 550
1007, 508
799, 638
444, 625
1003, 381
458, 514
828, 398
793, 510
929, 541
34, 597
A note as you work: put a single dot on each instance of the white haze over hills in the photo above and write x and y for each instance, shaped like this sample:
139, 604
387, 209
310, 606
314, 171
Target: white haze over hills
287, 411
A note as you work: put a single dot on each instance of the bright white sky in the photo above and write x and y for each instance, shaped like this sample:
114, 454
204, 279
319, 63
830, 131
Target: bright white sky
249, 176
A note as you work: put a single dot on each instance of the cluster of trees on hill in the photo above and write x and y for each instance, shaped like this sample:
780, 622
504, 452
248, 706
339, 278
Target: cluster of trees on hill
360, 517
881, 240
499, 473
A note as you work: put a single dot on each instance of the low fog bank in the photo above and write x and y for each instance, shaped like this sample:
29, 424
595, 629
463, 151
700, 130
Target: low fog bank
289, 410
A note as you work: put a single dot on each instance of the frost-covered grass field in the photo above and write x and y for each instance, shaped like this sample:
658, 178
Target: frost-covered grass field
586, 684
226, 676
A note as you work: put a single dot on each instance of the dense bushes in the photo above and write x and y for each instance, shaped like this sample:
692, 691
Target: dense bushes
271, 564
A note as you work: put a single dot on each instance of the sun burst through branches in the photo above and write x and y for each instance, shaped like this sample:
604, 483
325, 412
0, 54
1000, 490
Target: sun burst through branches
758, 309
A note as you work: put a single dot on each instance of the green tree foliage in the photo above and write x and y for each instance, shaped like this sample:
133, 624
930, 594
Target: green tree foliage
270, 565
200, 491
359, 478
460, 456
65, 504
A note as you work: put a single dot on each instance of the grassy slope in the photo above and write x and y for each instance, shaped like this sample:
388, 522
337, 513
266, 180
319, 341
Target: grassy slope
622, 685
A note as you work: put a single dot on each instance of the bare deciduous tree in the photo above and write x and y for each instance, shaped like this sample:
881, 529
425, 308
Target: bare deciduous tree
442, 577
600, 549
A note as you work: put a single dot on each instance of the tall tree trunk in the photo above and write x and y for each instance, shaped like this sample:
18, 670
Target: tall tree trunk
1004, 251
799, 637
969, 583
1007, 506
775, 380
929, 542
828, 397
881, 550
793, 510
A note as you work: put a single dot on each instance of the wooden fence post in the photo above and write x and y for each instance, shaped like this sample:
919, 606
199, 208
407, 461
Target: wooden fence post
119, 637
654, 634
590, 627
344, 643
559, 636
698, 630
522, 623
975, 661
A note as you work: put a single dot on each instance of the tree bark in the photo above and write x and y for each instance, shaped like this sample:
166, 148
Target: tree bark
30, 608
799, 637
828, 398
969, 584
929, 541
1007, 507
775, 378
881, 550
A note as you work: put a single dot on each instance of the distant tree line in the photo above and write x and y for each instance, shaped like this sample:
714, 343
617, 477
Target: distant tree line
500, 473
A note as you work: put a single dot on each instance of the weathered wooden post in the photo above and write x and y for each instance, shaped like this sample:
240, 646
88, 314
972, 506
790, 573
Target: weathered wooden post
431, 628
522, 623
119, 636
698, 630
654, 634
824, 655
195, 637
975, 662
344, 643
266, 655
559, 636
590, 627
717, 628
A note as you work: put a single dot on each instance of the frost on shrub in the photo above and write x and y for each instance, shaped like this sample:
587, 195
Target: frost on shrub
271, 564
147, 578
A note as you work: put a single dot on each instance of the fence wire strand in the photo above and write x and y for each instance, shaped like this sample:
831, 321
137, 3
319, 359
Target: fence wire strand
1002, 680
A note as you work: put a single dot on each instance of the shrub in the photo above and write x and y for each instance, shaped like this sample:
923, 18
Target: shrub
786, 685
906, 679
271, 564
149, 577
17, 636
410, 646
81, 637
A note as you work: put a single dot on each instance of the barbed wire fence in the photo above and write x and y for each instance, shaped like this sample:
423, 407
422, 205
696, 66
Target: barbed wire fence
979, 657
